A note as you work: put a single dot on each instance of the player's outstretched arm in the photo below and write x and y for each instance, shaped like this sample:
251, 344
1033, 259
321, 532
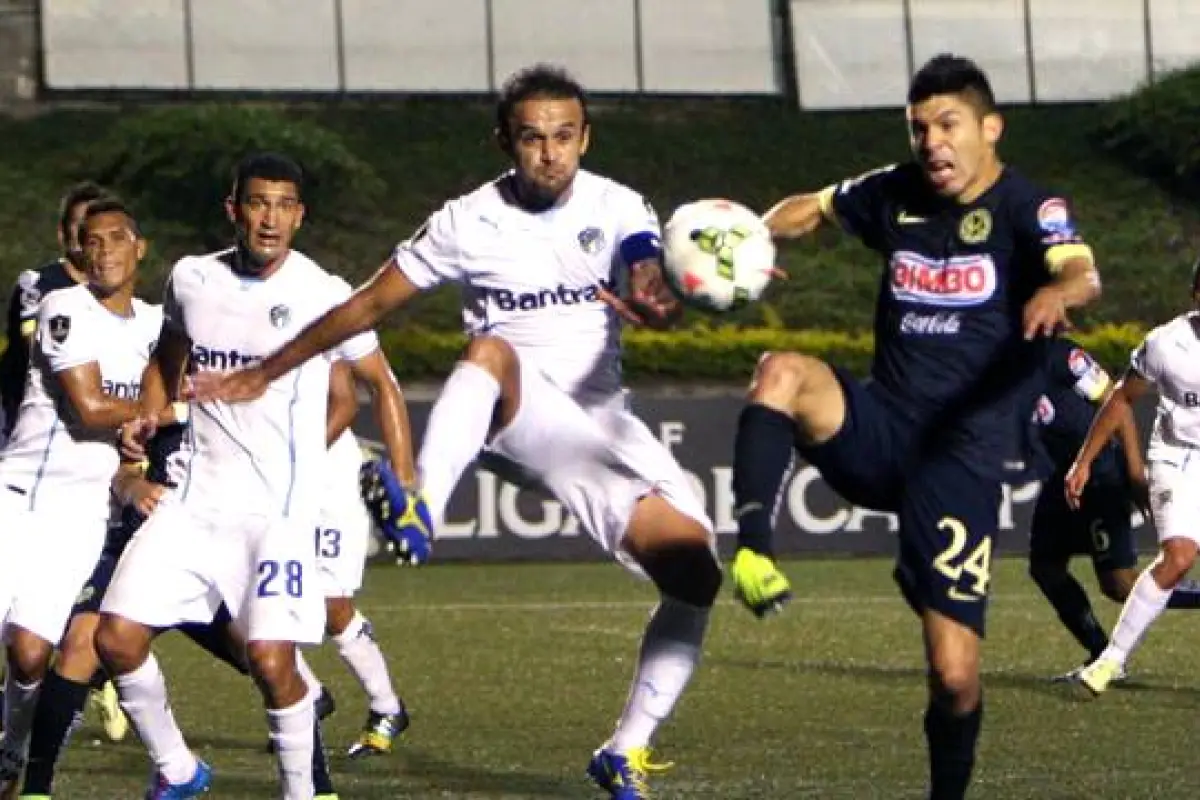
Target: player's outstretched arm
1116, 412
391, 413
798, 215
1075, 284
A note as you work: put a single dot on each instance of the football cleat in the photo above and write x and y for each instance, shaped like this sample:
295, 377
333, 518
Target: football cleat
378, 734
759, 584
200, 782
326, 797
624, 775
105, 702
1073, 675
1097, 676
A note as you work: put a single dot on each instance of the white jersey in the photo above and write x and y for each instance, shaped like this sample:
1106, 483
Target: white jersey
268, 455
50, 459
345, 459
533, 278
1169, 358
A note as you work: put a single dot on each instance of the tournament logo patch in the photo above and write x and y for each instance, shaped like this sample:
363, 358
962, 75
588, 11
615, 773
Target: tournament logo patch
60, 328
1054, 217
976, 226
1079, 362
281, 316
591, 240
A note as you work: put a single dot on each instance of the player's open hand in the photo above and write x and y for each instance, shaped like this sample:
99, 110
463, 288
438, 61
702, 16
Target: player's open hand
1046, 313
144, 496
1077, 479
650, 302
239, 386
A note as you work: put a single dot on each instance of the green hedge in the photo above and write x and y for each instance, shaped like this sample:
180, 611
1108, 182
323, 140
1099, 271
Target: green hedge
704, 354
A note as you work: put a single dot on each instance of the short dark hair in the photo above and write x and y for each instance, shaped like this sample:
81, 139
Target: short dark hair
266, 166
80, 193
112, 205
951, 74
539, 80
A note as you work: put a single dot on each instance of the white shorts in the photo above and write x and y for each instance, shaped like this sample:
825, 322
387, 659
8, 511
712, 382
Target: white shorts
597, 461
184, 562
48, 556
342, 540
1175, 497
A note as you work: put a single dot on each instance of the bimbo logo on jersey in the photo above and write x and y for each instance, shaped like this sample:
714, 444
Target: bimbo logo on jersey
954, 282
507, 300
211, 358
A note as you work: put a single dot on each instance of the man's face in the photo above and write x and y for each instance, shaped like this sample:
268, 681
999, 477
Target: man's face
952, 142
266, 216
71, 239
548, 136
111, 252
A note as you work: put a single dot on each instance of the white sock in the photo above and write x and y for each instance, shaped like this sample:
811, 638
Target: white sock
457, 430
20, 701
669, 654
1144, 605
144, 697
358, 648
310, 678
292, 734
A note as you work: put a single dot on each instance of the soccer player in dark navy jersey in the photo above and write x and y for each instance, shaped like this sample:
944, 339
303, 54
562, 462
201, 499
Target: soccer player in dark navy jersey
1075, 386
980, 265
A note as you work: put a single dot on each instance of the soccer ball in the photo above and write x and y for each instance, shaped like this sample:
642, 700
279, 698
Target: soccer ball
717, 254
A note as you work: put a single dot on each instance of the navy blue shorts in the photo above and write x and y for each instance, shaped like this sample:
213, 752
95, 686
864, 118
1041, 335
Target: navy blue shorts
1100, 528
948, 509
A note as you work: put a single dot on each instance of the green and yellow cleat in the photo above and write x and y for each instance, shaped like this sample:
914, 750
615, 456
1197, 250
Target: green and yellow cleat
759, 584
105, 702
378, 734
1097, 676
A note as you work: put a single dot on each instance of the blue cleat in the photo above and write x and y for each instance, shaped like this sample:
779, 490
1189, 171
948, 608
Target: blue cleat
162, 789
624, 775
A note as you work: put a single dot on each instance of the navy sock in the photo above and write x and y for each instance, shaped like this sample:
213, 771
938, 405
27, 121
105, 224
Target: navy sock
59, 712
952, 740
763, 456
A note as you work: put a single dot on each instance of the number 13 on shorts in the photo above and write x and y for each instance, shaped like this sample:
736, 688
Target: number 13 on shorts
968, 568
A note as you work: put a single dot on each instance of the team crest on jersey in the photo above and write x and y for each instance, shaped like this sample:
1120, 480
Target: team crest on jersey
60, 328
1054, 217
976, 226
281, 316
591, 240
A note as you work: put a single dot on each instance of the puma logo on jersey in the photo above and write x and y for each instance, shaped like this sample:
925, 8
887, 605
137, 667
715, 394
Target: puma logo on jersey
211, 358
507, 300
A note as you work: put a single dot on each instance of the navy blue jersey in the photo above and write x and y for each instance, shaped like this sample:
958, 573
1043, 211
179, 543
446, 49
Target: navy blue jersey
1075, 385
160, 450
21, 324
949, 345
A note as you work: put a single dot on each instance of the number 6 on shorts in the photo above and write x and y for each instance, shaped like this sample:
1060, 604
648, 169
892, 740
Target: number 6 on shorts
292, 574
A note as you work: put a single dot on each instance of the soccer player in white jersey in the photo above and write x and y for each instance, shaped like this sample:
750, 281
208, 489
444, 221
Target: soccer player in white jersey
92, 345
239, 529
1167, 360
343, 536
539, 253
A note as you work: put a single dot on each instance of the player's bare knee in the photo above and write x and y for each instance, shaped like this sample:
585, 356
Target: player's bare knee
28, 655
123, 645
956, 683
778, 379
1117, 584
339, 611
1174, 562
273, 666
677, 556
77, 657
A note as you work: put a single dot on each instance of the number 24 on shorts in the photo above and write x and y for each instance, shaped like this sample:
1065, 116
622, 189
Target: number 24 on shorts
977, 564
273, 573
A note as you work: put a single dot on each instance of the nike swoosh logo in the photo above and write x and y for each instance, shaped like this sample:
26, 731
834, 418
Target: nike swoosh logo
963, 597
904, 218
746, 509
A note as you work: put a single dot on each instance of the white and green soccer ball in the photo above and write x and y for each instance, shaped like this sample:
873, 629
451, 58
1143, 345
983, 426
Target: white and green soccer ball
717, 254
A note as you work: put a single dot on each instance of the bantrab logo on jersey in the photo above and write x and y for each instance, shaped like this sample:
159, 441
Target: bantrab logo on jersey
124, 390
507, 300
955, 282
212, 358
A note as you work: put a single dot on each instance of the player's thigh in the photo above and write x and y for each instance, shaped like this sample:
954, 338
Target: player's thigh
281, 597
1105, 516
806, 387
64, 550
558, 445
163, 577
865, 461
1056, 531
948, 520
342, 541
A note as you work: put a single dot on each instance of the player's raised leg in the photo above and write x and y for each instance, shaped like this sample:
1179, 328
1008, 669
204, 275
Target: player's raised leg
793, 398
